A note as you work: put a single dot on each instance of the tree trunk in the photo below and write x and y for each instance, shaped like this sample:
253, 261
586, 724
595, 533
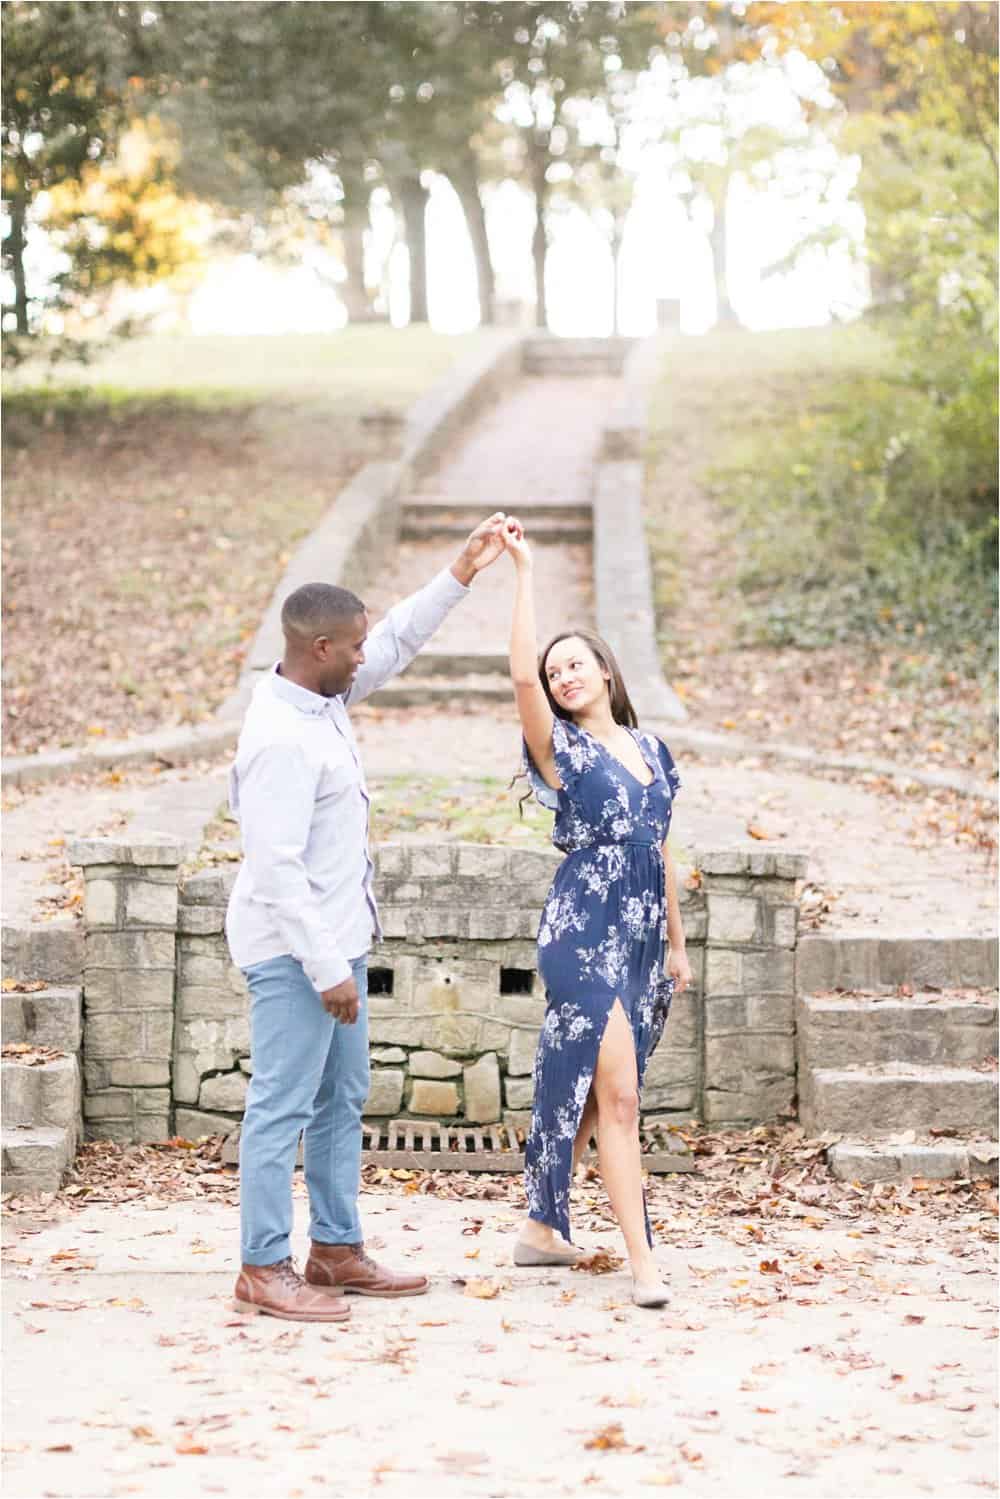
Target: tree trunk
539, 239
465, 180
14, 246
413, 202
724, 308
354, 292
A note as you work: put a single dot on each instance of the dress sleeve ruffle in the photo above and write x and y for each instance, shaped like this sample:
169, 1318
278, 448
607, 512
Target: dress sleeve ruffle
668, 767
563, 738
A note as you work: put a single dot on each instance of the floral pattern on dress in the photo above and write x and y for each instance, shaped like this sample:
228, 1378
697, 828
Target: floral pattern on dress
601, 938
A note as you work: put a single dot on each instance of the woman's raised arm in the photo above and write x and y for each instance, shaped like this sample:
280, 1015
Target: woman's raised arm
532, 704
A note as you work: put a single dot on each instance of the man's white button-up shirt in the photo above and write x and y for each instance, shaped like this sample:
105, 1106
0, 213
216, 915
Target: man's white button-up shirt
299, 793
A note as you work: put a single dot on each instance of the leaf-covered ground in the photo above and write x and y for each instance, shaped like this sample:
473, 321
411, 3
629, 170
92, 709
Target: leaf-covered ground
146, 524
719, 399
823, 1339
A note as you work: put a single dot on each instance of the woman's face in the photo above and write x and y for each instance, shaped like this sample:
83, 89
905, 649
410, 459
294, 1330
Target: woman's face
575, 676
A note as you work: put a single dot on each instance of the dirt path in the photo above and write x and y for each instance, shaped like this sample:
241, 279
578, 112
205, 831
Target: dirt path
818, 1347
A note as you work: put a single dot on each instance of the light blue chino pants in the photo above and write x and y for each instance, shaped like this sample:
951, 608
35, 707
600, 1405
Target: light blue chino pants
310, 1078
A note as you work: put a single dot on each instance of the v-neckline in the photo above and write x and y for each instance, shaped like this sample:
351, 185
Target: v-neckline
645, 785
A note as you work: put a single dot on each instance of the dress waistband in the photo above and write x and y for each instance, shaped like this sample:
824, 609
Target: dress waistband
617, 843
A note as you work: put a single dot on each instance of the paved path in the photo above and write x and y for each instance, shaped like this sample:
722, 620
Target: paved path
862, 1365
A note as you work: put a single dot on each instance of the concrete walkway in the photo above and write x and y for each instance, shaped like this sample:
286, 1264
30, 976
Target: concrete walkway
821, 1357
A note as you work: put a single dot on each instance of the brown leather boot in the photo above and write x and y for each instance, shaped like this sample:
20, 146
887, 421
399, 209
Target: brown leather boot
347, 1269
279, 1291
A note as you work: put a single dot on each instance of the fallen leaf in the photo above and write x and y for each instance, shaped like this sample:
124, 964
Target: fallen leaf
483, 1290
608, 1439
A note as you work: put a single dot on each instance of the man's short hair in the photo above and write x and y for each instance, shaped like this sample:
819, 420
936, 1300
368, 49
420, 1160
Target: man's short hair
318, 609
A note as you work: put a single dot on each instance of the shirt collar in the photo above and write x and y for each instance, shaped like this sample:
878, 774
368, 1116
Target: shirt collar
312, 703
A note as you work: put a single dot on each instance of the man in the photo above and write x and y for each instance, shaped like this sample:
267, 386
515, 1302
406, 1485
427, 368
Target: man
300, 922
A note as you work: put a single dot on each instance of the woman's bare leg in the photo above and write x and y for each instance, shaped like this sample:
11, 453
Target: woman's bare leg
616, 1089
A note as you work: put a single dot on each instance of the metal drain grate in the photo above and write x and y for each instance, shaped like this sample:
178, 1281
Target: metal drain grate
413, 1145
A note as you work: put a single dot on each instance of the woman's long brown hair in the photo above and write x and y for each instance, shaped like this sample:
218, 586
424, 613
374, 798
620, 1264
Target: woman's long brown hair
622, 710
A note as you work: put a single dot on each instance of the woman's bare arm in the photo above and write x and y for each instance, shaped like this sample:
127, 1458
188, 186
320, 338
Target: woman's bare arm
532, 704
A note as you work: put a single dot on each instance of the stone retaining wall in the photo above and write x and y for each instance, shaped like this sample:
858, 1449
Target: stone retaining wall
455, 1003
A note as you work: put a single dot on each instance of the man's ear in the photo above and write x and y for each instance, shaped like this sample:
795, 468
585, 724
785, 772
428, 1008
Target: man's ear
321, 647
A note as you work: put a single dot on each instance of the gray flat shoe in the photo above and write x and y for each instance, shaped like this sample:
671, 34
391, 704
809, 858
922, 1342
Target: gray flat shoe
650, 1296
527, 1254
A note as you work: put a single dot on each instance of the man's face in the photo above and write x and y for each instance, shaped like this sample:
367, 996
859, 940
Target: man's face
340, 654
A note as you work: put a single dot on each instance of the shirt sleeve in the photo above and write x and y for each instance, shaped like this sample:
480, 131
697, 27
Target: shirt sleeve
668, 767
568, 756
407, 627
276, 796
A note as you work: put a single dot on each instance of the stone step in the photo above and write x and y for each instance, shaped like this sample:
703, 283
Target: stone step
895, 1160
418, 525
36, 1158
473, 664
947, 1028
868, 961
42, 1093
53, 952
430, 504
409, 692
44, 1017
888, 1100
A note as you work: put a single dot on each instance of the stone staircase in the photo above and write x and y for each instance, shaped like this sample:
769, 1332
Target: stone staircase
478, 673
900, 1064
41, 1014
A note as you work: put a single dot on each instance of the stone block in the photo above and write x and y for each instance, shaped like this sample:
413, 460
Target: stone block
431, 1064
151, 1128
195, 1124
158, 1033
385, 1095
196, 968
439, 921
114, 989
186, 1079
781, 925
227, 1091
733, 919
529, 866
150, 904
723, 971
118, 1131
96, 1076
522, 1009
395, 921
129, 950
518, 1092
110, 1103
682, 1026
114, 1035
725, 1014
456, 984
521, 1058
482, 1090
746, 1062
151, 1100
438, 1099
769, 972
388, 1054
770, 1012
481, 861
492, 1035
204, 945
450, 1032
432, 859
210, 887
391, 859
385, 1031
201, 920
100, 903
134, 1072
671, 1080
722, 861
494, 926
695, 925
749, 1106
877, 1102
159, 849
205, 1001
517, 1121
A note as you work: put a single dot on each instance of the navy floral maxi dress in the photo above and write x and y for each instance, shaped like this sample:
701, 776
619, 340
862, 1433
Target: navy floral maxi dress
602, 937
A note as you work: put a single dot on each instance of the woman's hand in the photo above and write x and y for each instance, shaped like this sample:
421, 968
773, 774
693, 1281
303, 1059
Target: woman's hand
513, 540
679, 969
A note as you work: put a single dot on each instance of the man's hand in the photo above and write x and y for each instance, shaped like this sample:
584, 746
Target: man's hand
342, 1002
484, 546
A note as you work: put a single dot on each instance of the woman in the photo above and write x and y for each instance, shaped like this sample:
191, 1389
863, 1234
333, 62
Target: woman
601, 935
